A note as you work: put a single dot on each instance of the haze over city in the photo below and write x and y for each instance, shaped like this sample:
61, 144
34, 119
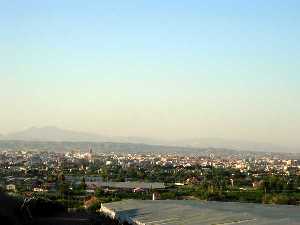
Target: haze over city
168, 70
149, 112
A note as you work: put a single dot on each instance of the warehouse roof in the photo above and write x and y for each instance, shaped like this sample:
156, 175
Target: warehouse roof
192, 212
129, 184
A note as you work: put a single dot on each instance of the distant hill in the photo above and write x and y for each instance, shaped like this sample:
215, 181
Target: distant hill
234, 144
51, 134
54, 134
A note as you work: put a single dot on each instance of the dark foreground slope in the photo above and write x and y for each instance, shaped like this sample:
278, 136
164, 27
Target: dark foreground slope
13, 212
10, 212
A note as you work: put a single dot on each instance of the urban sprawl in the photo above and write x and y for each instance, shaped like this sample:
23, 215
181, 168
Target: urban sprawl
82, 178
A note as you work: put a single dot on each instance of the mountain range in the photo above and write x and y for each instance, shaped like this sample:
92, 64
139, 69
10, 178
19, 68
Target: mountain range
54, 134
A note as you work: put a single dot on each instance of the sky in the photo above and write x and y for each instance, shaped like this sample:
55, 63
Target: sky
169, 69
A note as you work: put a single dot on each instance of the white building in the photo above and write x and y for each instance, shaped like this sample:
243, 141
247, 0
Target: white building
11, 187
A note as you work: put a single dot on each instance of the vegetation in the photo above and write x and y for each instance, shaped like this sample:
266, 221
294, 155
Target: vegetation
205, 183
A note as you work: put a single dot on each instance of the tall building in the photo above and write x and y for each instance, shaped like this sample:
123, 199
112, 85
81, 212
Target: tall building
90, 155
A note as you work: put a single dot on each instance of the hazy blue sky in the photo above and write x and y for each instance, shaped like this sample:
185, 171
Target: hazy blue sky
170, 69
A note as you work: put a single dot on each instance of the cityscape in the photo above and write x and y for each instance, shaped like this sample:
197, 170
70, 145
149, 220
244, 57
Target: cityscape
85, 178
149, 112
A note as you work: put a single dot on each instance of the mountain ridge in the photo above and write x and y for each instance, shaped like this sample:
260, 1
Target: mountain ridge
55, 134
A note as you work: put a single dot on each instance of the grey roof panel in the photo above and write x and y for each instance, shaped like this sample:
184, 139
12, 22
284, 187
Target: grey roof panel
191, 212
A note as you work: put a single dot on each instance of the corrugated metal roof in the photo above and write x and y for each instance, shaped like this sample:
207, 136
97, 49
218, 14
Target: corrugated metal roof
192, 212
129, 184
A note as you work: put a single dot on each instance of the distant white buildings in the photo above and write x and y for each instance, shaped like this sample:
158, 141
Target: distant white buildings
11, 187
39, 190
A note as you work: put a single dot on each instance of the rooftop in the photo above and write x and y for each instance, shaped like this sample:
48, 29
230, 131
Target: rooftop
190, 212
129, 184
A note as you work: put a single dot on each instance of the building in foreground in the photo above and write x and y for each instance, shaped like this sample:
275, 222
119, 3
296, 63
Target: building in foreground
192, 212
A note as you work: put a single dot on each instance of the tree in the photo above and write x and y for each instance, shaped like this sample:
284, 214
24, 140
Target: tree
99, 192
